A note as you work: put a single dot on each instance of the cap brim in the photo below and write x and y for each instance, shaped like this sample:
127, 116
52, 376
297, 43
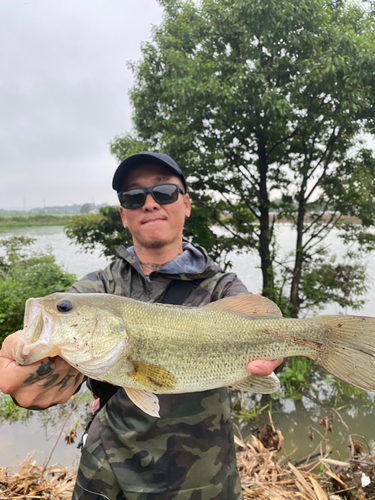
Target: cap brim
137, 160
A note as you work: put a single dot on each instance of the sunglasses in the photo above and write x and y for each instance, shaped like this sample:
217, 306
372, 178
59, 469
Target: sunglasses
164, 194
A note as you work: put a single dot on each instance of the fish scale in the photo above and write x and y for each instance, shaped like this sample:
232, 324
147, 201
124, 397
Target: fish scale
150, 348
200, 350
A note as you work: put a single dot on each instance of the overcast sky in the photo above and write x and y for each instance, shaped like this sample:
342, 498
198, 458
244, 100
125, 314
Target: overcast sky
64, 95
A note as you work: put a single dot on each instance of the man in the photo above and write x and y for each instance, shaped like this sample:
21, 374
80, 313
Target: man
189, 452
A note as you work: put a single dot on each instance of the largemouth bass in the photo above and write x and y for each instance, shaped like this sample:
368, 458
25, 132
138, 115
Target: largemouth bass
149, 348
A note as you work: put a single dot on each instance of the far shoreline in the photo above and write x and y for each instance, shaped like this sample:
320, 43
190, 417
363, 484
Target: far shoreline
22, 220
15, 221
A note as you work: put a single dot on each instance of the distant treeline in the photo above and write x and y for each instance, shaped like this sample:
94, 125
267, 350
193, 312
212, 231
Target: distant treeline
58, 209
9, 221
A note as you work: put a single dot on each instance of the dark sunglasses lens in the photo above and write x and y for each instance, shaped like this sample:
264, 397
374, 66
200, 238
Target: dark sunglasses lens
165, 193
133, 199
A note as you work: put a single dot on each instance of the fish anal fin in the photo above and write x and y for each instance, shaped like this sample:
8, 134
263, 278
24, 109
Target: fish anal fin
152, 377
252, 305
146, 401
258, 384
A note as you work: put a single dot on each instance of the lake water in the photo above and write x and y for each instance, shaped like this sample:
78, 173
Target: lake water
293, 418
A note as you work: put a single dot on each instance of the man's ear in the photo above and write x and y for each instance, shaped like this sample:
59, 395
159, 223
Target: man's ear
187, 203
123, 216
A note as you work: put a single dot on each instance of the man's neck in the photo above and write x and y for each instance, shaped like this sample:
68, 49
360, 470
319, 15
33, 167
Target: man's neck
152, 259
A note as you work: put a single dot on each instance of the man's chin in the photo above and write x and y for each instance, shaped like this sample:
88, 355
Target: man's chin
152, 244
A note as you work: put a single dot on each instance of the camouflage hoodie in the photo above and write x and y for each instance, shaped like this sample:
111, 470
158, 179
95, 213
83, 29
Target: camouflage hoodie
188, 453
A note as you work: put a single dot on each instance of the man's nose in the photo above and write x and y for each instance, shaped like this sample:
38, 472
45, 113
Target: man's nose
150, 203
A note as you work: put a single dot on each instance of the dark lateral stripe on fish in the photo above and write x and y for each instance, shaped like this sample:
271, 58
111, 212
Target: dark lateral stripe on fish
317, 346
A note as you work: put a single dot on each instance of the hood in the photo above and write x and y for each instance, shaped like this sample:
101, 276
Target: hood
193, 263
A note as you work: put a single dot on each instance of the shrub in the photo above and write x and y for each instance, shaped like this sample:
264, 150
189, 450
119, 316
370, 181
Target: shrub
24, 274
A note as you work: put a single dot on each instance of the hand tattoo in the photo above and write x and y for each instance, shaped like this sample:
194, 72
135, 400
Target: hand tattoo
78, 378
50, 380
46, 368
64, 382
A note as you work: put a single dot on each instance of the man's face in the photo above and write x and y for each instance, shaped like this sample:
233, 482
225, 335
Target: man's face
154, 225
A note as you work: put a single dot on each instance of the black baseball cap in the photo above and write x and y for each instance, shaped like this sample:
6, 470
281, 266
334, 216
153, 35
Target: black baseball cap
139, 159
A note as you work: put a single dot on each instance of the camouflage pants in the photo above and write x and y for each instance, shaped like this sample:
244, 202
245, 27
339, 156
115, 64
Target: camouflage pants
99, 475
95, 475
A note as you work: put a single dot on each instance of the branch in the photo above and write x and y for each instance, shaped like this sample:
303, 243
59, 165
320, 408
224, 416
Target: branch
228, 228
73, 407
331, 224
284, 139
329, 152
248, 176
315, 221
245, 200
347, 428
313, 144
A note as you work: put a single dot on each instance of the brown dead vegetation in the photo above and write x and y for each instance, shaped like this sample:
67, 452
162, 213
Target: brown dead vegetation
29, 481
265, 473
265, 476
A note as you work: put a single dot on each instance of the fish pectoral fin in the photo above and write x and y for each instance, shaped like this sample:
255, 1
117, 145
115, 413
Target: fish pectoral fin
252, 305
152, 377
258, 384
146, 401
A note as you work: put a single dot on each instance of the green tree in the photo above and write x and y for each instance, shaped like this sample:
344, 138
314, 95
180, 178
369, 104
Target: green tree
105, 230
257, 100
85, 208
25, 274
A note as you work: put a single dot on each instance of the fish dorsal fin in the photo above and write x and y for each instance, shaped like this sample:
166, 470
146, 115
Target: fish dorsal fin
255, 306
146, 401
259, 385
152, 377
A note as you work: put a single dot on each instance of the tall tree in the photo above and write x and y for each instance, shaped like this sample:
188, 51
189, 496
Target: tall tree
262, 104
258, 100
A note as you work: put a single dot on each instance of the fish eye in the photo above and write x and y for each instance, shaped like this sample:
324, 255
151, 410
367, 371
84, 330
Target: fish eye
64, 306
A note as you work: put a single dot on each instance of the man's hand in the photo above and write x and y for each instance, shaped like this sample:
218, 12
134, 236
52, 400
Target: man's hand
39, 385
263, 367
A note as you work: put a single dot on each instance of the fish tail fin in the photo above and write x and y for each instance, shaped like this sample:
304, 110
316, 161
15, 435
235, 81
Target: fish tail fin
349, 353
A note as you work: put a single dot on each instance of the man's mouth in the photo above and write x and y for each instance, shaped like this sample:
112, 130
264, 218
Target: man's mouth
153, 220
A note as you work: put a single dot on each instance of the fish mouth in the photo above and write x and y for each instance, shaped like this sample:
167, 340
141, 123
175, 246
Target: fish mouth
35, 341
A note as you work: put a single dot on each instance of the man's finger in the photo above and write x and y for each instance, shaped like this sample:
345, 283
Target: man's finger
9, 347
263, 367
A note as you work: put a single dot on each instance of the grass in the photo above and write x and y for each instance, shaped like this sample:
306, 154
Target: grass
296, 376
11, 221
10, 412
